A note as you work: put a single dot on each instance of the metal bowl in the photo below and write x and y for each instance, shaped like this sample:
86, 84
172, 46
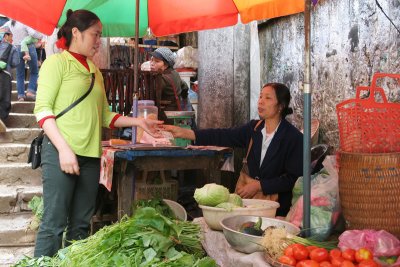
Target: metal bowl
250, 243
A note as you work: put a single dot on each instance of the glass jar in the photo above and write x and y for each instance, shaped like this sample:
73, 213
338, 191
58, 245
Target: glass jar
147, 109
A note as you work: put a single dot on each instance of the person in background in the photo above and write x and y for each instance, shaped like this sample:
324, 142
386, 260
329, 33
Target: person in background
171, 91
24, 47
9, 58
21, 31
71, 148
275, 159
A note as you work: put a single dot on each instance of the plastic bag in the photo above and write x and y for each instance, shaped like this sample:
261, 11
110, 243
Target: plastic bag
187, 57
325, 205
381, 243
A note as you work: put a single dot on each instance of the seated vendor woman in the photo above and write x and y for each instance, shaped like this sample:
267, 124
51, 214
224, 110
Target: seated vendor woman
275, 158
171, 91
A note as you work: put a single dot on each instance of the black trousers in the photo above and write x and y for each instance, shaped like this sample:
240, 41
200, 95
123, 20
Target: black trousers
5, 94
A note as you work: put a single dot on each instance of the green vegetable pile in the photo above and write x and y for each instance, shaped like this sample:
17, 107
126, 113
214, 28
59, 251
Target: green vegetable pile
36, 205
148, 239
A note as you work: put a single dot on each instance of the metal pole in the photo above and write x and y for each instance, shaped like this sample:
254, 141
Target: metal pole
307, 121
136, 53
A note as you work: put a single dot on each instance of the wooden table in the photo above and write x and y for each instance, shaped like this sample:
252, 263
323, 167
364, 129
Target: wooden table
133, 161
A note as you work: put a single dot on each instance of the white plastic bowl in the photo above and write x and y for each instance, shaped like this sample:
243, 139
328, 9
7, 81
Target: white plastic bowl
177, 208
255, 207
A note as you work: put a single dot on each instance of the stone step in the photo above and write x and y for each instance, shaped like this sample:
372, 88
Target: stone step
14, 152
16, 174
10, 255
14, 85
17, 120
16, 198
22, 107
14, 97
15, 230
19, 135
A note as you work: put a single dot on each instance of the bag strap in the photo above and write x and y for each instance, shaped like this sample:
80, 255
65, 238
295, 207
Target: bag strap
251, 140
76, 102
175, 93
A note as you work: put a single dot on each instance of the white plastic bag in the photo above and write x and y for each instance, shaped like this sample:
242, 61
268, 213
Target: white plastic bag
186, 58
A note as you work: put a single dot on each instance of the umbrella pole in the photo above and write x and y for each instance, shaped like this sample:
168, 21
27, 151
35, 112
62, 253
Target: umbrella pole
136, 53
307, 121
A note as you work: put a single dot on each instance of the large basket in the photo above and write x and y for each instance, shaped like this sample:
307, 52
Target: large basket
167, 189
369, 126
369, 188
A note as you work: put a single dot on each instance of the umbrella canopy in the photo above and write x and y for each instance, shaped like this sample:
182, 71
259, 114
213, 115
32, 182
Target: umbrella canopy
164, 17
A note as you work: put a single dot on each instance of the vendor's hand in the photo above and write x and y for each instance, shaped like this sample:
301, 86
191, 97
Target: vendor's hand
175, 130
250, 189
68, 161
152, 127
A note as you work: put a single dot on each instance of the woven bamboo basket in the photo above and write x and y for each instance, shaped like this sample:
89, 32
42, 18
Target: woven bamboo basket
369, 188
145, 189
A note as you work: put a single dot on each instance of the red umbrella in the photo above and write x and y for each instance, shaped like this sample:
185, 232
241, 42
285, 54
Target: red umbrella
164, 17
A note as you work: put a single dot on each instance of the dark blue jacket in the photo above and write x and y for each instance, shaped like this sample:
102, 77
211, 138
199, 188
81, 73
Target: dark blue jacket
283, 162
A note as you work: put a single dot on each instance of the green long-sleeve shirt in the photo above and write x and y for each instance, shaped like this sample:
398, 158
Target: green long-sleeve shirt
62, 80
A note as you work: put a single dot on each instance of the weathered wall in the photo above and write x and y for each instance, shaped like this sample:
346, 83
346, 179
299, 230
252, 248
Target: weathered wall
224, 76
350, 41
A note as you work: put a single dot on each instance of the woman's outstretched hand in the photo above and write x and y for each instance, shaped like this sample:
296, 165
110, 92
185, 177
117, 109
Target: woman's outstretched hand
152, 127
179, 132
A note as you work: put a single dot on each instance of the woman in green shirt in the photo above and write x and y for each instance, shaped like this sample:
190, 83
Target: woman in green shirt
72, 146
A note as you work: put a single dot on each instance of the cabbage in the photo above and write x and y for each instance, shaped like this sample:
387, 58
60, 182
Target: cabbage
211, 195
227, 206
236, 200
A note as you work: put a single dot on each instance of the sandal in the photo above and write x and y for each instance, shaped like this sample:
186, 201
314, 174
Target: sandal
30, 96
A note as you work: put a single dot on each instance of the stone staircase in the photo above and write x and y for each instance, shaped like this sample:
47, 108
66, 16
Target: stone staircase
18, 182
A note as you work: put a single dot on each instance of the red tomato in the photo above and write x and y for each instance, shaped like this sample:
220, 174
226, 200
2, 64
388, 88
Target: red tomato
325, 264
287, 260
349, 254
319, 254
288, 251
300, 252
335, 253
368, 263
307, 263
337, 261
363, 254
347, 263
311, 248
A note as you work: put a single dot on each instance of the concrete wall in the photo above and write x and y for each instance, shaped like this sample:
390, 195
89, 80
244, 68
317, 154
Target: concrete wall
224, 76
350, 41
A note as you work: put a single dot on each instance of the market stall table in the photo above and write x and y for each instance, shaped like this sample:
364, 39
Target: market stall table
132, 160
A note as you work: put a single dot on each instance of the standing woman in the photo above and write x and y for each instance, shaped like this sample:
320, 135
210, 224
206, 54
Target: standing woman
275, 159
72, 145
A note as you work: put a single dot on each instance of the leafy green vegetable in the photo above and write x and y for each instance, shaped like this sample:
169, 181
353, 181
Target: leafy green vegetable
158, 204
211, 195
36, 205
236, 200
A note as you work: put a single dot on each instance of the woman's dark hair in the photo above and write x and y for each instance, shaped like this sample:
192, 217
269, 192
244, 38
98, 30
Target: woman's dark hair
81, 19
282, 93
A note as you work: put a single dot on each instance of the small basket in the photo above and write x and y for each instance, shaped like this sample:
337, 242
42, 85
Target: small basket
168, 189
369, 188
369, 126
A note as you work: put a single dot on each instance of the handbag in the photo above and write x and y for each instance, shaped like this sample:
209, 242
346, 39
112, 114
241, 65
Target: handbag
244, 177
34, 156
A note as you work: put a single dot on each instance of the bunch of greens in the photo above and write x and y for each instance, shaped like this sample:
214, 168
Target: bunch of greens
36, 205
146, 239
38, 262
158, 204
